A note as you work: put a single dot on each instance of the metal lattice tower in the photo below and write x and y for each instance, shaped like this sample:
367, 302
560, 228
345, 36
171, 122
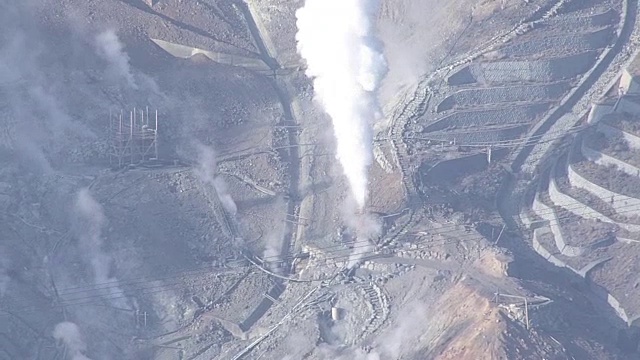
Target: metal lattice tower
133, 141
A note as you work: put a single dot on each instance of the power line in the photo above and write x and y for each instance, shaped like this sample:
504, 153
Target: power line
326, 249
332, 249
92, 299
98, 298
510, 142
206, 270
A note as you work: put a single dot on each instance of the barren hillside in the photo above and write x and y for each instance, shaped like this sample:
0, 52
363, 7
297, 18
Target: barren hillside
169, 187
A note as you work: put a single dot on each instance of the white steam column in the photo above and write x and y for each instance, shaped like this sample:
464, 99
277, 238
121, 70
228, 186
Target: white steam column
336, 39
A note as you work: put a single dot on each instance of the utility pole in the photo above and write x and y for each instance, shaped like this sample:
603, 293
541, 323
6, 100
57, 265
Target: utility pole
131, 124
155, 141
499, 235
526, 314
144, 317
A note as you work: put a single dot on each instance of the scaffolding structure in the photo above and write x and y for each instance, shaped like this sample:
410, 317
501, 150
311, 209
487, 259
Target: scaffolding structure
133, 141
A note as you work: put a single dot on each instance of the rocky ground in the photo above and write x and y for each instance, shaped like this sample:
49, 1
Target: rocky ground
234, 245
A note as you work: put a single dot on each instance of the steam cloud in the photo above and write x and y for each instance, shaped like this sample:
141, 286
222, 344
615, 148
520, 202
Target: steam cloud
34, 117
412, 323
390, 344
336, 39
223, 194
328, 352
69, 334
111, 49
207, 173
273, 247
274, 241
366, 227
89, 222
91, 219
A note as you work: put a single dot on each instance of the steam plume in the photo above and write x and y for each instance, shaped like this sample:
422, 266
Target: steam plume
69, 334
89, 222
336, 39
393, 343
111, 49
274, 240
207, 173
366, 226
412, 323
223, 194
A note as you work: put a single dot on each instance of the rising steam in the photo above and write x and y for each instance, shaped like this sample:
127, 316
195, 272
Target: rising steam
395, 342
274, 240
366, 227
208, 174
88, 223
336, 39
68, 333
111, 49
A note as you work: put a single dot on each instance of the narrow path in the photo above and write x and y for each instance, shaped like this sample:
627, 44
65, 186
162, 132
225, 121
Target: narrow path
281, 85
259, 34
290, 153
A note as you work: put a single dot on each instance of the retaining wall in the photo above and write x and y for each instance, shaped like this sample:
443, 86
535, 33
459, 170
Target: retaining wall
581, 209
603, 293
526, 219
481, 135
573, 42
549, 214
622, 204
615, 304
559, 115
613, 132
598, 111
507, 115
573, 205
548, 70
628, 84
542, 251
525, 94
603, 159
186, 52
572, 22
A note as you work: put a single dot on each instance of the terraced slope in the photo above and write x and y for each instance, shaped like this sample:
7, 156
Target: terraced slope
506, 91
591, 204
